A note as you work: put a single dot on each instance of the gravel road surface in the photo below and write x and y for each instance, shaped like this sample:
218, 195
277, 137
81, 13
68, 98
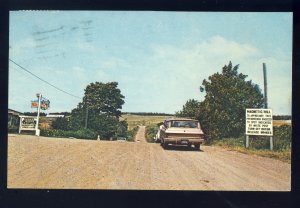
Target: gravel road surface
56, 163
140, 135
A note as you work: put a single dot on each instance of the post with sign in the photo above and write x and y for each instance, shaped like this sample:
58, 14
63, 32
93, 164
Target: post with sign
259, 122
31, 123
37, 131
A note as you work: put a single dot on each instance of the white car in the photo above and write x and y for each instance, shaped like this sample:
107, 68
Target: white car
180, 132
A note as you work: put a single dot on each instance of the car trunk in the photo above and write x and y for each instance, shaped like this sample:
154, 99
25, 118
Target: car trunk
184, 132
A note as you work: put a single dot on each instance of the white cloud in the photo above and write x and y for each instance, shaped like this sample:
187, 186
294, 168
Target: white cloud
174, 74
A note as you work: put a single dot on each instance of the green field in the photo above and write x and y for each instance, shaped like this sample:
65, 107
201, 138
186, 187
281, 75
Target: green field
136, 120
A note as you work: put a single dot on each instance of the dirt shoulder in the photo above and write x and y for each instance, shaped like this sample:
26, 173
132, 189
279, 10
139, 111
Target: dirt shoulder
54, 163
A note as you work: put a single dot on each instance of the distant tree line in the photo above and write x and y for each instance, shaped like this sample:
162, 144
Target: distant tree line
61, 113
282, 117
34, 114
148, 114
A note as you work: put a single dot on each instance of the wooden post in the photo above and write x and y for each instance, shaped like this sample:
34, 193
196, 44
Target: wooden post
265, 86
37, 131
271, 143
247, 141
20, 124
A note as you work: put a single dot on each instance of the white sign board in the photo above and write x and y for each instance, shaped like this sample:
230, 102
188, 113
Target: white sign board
27, 123
259, 122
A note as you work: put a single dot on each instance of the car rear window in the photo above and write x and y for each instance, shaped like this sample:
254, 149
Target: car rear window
184, 124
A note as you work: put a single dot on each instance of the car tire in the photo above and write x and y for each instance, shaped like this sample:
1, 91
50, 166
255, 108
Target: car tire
164, 145
197, 146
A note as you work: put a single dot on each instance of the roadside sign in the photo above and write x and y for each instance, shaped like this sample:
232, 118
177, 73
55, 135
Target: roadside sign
34, 103
45, 104
27, 123
259, 122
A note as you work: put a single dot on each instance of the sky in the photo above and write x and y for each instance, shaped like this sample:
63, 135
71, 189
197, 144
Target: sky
159, 59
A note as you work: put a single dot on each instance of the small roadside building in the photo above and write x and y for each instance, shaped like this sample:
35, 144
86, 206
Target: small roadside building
13, 120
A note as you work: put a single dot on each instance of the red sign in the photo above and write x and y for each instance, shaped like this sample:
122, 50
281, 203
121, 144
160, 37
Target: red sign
34, 103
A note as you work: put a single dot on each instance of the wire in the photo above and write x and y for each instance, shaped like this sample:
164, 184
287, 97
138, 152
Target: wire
43, 79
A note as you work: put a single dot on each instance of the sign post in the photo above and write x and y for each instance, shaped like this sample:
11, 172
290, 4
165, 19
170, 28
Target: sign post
259, 122
247, 141
37, 131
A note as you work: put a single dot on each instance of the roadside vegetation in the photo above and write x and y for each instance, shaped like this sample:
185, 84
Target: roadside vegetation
222, 115
132, 134
260, 146
97, 115
78, 134
150, 132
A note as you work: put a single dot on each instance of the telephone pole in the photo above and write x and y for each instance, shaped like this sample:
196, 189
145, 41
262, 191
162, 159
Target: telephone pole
265, 86
86, 113
266, 99
37, 131
86, 116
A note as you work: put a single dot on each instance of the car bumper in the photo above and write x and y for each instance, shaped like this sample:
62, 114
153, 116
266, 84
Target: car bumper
183, 141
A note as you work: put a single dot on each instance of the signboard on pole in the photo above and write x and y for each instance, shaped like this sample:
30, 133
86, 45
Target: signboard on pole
259, 122
27, 123
45, 104
34, 103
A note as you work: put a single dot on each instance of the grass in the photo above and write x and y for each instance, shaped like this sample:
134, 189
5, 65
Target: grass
150, 132
254, 149
131, 134
136, 120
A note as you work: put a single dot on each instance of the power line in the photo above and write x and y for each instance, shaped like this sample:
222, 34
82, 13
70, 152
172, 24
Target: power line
43, 79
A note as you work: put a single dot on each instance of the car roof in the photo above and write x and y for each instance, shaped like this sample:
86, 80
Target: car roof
180, 119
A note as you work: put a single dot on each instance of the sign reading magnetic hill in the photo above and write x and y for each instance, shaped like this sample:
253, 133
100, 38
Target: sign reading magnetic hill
259, 122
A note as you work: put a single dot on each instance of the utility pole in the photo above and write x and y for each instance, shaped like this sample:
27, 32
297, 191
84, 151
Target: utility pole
266, 98
37, 131
86, 113
86, 116
265, 86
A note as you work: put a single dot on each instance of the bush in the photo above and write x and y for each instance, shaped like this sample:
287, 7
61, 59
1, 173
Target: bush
131, 134
79, 134
122, 127
281, 140
103, 125
151, 132
282, 137
13, 129
61, 123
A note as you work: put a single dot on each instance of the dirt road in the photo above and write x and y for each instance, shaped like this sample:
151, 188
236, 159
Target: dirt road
140, 135
82, 164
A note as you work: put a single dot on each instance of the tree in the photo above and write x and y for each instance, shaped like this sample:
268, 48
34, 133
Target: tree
222, 113
103, 102
190, 109
103, 98
60, 123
